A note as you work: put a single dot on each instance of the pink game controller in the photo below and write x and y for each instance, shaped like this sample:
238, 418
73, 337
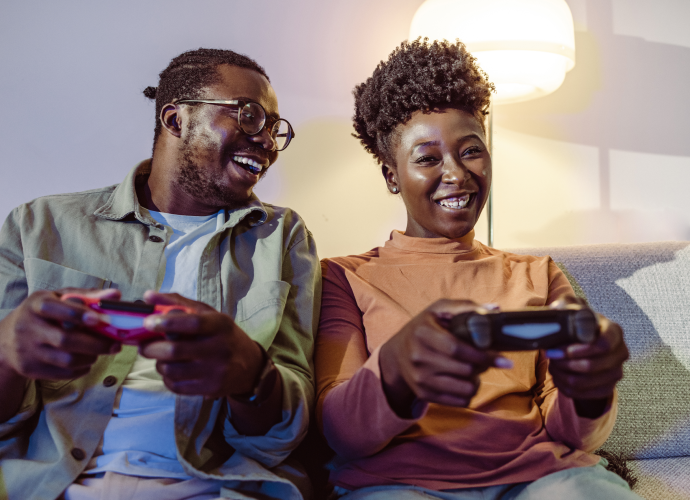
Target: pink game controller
126, 319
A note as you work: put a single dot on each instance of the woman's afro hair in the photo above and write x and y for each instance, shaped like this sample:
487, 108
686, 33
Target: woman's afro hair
418, 76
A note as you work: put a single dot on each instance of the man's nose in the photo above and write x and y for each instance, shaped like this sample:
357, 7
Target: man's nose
264, 139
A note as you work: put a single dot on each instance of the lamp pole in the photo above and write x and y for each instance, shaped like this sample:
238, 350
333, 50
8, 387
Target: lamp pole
490, 200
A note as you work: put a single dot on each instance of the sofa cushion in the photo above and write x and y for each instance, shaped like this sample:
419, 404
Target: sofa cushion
662, 478
644, 287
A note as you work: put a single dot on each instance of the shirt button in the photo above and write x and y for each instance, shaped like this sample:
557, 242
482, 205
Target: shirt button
155, 239
109, 381
78, 453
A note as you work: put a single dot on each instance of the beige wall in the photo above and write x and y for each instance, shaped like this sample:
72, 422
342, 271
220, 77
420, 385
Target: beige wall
606, 158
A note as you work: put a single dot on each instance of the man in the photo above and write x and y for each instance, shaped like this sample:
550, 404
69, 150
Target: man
215, 407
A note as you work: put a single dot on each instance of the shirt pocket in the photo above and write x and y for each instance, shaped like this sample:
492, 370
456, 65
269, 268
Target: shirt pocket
45, 275
260, 311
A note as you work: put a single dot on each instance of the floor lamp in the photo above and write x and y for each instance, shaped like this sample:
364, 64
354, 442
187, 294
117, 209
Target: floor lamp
525, 46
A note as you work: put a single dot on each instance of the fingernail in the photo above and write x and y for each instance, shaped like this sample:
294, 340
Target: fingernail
152, 322
91, 318
555, 354
577, 348
491, 306
502, 362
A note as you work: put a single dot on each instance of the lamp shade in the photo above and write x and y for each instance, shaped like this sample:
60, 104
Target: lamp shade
525, 46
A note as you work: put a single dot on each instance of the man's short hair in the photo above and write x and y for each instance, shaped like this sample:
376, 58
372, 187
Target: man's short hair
189, 73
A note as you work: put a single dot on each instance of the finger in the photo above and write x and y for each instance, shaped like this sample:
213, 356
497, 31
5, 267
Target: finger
107, 293
610, 339
75, 341
210, 323
191, 387
175, 299
450, 386
447, 308
590, 365
74, 313
49, 356
187, 350
186, 370
445, 344
567, 298
578, 383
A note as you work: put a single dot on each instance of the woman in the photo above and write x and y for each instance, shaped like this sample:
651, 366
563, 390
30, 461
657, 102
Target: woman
410, 410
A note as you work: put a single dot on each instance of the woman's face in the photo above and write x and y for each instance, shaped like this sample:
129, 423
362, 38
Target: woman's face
442, 171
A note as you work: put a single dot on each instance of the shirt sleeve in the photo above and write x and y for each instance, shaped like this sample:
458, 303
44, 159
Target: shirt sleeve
562, 421
13, 290
292, 353
350, 393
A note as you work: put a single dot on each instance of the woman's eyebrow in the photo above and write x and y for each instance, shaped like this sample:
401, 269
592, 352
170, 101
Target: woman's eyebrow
437, 143
427, 143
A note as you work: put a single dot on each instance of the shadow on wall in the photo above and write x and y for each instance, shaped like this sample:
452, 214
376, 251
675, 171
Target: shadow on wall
643, 287
625, 94
338, 189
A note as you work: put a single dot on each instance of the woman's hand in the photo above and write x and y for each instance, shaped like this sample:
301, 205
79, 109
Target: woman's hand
588, 373
425, 361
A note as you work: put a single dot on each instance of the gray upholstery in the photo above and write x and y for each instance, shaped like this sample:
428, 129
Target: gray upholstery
646, 289
662, 478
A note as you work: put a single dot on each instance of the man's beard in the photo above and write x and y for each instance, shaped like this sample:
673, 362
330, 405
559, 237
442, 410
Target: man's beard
197, 181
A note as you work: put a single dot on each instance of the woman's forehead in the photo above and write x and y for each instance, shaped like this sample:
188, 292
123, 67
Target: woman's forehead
437, 127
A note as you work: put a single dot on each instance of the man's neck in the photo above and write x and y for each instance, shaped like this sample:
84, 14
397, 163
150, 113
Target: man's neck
161, 193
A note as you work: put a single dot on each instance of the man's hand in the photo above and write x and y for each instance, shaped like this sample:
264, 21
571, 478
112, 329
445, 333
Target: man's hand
206, 353
425, 361
588, 373
47, 338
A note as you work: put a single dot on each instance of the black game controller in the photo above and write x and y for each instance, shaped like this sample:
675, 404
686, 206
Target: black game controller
526, 330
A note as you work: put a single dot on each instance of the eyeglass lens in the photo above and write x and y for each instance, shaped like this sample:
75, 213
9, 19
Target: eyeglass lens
253, 118
281, 134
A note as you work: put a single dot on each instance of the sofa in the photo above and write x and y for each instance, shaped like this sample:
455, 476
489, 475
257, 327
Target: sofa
644, 287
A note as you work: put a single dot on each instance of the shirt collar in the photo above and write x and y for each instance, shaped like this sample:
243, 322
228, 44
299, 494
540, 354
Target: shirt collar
124, 202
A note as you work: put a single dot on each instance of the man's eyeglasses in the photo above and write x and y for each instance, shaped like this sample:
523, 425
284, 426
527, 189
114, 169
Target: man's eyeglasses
252, 119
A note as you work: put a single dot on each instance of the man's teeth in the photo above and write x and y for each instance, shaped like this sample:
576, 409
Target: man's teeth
457, 202
253, 166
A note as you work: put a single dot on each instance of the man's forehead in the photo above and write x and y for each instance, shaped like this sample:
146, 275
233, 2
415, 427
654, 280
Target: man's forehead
236, 82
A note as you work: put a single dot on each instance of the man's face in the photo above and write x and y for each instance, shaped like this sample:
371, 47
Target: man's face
213, 146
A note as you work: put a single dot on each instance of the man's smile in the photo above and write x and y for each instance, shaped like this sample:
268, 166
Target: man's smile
252, 166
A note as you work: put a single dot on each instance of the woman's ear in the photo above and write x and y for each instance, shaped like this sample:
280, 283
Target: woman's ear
171, 120
391, 180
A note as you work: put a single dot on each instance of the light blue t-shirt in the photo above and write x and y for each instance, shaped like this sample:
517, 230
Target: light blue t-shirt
140, 437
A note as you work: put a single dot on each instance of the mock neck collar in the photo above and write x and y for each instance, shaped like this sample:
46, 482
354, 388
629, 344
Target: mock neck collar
464, 244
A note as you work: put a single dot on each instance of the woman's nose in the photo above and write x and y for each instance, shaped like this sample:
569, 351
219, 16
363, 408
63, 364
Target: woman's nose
454, 173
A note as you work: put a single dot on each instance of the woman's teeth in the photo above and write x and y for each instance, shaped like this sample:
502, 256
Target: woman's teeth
456, 202
251, 165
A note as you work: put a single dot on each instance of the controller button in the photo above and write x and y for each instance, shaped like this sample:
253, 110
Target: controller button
155, 239
78, 454
109, 381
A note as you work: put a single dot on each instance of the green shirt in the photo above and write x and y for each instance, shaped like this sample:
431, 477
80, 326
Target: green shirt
262, 270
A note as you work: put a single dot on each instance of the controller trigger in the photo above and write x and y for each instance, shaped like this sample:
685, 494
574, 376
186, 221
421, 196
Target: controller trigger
480, 330
585, 326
